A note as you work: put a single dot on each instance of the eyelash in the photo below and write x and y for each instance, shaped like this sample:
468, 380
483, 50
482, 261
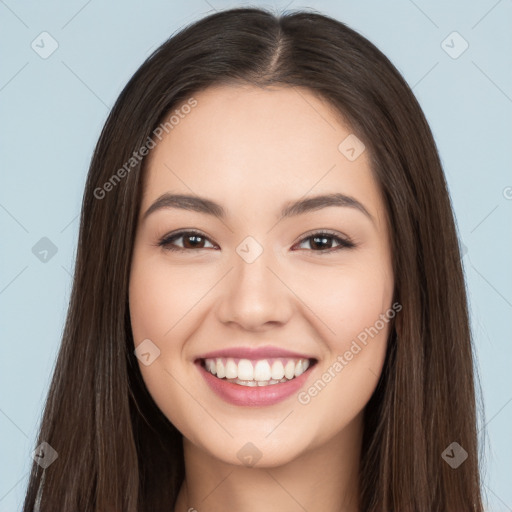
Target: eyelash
166, 241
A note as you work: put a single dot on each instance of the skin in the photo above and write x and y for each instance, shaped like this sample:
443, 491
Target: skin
252, 150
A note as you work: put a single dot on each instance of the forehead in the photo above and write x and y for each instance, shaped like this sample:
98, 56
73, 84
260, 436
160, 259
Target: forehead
246, 146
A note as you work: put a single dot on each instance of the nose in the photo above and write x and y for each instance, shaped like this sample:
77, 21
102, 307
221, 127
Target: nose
254, 295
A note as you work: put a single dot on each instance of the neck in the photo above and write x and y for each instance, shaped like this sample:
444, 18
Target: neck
321, 478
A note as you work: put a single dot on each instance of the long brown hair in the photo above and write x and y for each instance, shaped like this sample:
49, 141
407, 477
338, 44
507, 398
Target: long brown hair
116, 450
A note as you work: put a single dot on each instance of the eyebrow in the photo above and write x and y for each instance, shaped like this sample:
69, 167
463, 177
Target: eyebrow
290, 209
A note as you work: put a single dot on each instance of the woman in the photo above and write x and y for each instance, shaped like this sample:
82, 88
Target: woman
268, 309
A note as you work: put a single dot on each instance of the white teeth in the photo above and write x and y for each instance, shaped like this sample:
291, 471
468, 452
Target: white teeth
211, 366
231, 369
301, 367
262, 371
245, 370
221, 371
277, 370
289, 370
257, 383
256, 373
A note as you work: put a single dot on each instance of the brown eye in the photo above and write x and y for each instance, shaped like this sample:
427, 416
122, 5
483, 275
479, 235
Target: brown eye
191, 240
323, 241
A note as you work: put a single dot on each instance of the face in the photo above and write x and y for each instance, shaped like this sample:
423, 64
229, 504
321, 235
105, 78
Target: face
262, 287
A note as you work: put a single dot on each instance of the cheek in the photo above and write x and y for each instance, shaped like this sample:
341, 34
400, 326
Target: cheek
161, 297
348, 299
157, 308
356, 304
159, 302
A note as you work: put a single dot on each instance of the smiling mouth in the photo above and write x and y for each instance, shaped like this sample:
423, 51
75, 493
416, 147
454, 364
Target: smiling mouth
256, 373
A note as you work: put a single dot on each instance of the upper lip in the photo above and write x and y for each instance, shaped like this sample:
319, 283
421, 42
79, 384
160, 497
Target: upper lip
254, 353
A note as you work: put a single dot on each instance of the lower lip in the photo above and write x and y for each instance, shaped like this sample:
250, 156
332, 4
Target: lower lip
256, 396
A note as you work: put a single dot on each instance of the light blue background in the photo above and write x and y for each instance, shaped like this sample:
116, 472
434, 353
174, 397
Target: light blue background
52, 111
